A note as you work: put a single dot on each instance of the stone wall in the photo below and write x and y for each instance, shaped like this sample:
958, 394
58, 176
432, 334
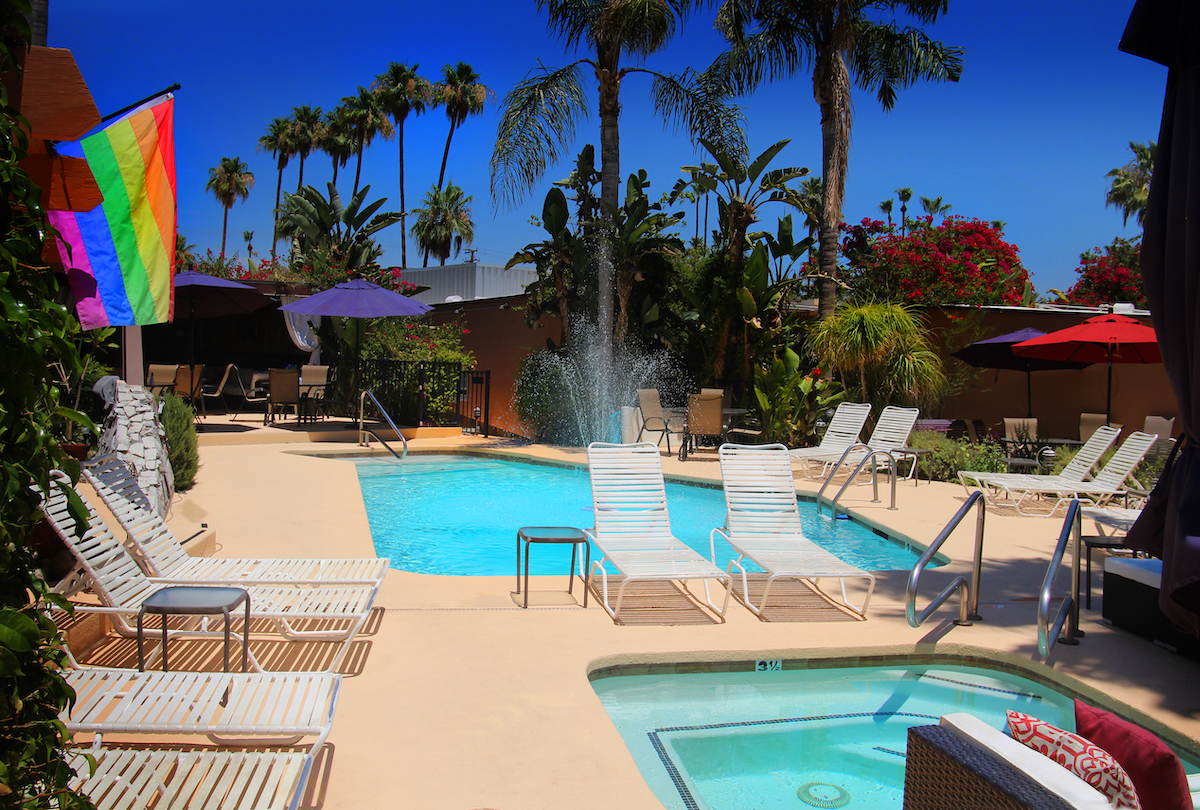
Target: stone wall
134, 433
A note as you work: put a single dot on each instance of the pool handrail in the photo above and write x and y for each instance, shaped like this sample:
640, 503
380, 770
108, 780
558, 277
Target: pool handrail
364, 431
874, 477
968, 603
1068, 611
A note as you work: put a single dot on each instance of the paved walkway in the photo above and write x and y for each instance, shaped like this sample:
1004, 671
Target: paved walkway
459, 699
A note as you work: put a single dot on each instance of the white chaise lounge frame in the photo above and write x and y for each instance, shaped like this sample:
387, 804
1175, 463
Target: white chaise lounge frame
1076, 470
763, 524
164, 557
633, 530
122, 586
891, 433
844, 431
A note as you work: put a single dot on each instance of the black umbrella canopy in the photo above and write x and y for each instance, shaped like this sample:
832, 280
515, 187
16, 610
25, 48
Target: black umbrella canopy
1169, 527
996, 352
199, 295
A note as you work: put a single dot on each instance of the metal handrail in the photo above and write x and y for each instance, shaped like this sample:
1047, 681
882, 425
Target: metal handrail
874, 477
968, 603
1068, 611
364, 431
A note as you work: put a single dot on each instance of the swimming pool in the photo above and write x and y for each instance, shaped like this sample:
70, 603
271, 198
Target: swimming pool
459, 515
829, 737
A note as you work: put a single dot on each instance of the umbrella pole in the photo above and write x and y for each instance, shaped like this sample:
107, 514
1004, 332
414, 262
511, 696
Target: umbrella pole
1029, 393
1108, 401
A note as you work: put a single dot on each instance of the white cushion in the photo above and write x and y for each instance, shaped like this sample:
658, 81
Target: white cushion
1038, 767
1145, 571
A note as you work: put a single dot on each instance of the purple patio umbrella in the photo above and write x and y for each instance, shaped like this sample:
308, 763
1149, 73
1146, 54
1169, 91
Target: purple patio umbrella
996, 352
199, 295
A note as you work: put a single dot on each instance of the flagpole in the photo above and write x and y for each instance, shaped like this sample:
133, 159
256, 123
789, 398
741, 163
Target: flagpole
170, 89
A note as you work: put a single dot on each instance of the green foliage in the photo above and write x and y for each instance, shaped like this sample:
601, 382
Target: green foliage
339, 234
416, 338
179, 423
35, 332
789, 404
950, 455
541, 399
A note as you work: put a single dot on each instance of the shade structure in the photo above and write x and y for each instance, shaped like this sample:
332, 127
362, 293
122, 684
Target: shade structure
357, 299
1169, 527
997, 352
1103, 339
199, 295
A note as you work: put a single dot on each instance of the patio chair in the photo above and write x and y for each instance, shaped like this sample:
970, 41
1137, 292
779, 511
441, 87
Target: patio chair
181, 778
993, 484
283, 394
337, 612
187, 385
844, 430
655, 420
164, 557
891, 432
704, 420
313, 380
161, 378
217, 390
633, 530
763, 524
1108, 483
1088, 422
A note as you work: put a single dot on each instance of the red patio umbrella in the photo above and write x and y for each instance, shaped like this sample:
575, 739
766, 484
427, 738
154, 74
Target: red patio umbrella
1102, 339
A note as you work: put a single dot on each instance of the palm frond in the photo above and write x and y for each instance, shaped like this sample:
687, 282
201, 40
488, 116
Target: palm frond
537, 124
702, 106
887, 58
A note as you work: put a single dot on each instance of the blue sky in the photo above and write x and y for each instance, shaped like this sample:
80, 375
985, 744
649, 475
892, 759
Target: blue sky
1046, 106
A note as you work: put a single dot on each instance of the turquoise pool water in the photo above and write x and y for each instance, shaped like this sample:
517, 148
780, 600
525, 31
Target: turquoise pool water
753, 740
459, 515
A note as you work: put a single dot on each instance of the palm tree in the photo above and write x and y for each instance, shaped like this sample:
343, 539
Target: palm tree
367, 119
539, 115
306, 121
462, 95
185, 259
278, 142
812, 191
885, 207
334, 139
905, 194
837, 40
935, 207
402, 92
444, 224
228, 181
1130, 187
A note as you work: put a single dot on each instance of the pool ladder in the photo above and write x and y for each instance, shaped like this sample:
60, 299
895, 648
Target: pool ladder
968, 590
870, 456
1050, 631
365, 432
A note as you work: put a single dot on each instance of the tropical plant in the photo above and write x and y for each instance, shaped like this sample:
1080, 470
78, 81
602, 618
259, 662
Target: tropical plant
305, 127
834, 40
947, 456
444, 223
539, 116
934, 206
366, 117
462, 94
321, 226
904, 195
36, 331
885, 207
1129, 190
556, 260
179, 427
184, 257
277, 141
640, 245
402, 92
334, 139
228, 181
881, 351
958, 261
417, 338
1108, 275
789, 404
812, 191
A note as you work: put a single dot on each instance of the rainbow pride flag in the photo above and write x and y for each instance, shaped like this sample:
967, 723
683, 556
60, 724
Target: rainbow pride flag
121, 259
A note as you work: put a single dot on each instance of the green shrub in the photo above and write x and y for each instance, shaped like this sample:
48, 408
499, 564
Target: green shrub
179, 423
950, 455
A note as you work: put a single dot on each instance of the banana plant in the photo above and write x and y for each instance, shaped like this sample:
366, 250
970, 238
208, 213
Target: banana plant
341, 232
790, 403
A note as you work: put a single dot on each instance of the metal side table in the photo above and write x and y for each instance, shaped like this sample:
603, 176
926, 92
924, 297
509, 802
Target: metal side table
554, 534
194, 600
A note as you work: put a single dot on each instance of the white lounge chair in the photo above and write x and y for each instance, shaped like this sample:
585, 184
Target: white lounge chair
1075, 471
1108, 483
891, 432
633, 529
845, 429
340, 611
251, 708
165, 558
189, 779
763, 524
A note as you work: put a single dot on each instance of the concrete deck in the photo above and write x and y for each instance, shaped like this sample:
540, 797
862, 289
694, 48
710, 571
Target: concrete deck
457, 698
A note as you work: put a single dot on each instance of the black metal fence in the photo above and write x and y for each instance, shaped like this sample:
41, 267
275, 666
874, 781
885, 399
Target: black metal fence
425, 393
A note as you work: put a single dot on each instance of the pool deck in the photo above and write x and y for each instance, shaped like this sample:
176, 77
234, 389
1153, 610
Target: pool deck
458, 698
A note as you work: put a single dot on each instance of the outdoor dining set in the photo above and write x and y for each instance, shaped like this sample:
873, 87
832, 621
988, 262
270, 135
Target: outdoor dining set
300, 391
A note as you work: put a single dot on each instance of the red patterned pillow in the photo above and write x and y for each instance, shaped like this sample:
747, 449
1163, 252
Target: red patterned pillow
1087, 761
